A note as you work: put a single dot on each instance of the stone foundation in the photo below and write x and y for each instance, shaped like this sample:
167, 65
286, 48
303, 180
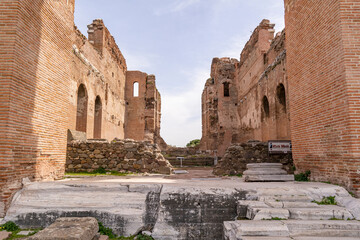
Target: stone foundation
119, 155
192, 156
238, 155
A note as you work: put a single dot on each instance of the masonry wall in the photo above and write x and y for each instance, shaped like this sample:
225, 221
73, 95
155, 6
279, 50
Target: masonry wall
100, 67
241, 116
323, 49
33, 91
143, 108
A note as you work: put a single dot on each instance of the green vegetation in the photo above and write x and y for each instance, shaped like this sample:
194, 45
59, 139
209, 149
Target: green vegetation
327, 201
278, 219
335, 219
100, 171
234, 175
352, 194
193, 143
303, 177
14, 229
109, 232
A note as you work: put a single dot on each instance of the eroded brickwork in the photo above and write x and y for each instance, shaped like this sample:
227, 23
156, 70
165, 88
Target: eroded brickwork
323, 53
141, 93
34, 90
52, 78
247, 99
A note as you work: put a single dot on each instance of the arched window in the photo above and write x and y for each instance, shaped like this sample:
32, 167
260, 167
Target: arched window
226, 89
97, 118
281, 96
136, 89
81, 111
266, 107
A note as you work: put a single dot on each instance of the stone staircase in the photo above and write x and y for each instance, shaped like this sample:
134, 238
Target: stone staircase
266, 172
285, 216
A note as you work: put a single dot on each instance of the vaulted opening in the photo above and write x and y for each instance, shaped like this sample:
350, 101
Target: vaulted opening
281, 96
266, 107
97, 118
81, 112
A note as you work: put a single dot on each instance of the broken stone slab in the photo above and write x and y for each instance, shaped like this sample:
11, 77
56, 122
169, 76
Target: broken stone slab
351, 204
322, 213
69, 229
104, 237
271, 214
269, 178
25, 233
243, 205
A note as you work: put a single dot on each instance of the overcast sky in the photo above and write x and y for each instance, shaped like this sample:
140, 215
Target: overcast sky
176, 40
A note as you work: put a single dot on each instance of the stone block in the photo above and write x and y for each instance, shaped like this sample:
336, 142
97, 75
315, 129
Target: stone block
269, 178
271, 213
279, 204
4, 235
322, 213
69, 229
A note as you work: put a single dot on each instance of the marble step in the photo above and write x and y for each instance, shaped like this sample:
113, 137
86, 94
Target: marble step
268, 178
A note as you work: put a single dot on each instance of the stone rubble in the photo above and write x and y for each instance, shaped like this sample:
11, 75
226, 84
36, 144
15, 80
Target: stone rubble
119, 155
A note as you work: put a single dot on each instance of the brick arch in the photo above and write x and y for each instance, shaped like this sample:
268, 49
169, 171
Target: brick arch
81, 110
98, 118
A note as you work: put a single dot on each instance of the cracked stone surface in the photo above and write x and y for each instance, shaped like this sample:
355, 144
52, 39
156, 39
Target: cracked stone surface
168, 208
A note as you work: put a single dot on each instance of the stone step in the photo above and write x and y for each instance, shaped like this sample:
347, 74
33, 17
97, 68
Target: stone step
286, 198
269, 171
267, 214
321, 213
291, 229
264, 165
268, 178
236, 229
280, 204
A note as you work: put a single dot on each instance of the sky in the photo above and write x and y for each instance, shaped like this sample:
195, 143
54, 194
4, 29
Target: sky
176, 41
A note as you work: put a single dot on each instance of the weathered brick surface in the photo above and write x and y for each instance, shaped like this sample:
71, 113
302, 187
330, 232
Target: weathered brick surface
259, 74
143, 125
34, 90
52, 78
323, 53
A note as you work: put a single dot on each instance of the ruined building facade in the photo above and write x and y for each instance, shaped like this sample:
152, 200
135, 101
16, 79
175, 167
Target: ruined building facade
53, 78
247, 99
305, 89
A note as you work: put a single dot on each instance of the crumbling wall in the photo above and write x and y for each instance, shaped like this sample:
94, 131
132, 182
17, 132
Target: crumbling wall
143, 108
323, 70
100, 67
238, 155
35, 60
219, 104
118, 155
244, 114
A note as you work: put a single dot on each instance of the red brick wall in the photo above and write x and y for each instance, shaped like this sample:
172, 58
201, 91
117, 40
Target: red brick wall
323, 53
34, 71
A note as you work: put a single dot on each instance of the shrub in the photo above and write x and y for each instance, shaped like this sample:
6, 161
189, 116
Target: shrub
10, 227
327, 201
303, 177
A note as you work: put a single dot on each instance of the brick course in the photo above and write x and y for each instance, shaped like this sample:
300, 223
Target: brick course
323, 53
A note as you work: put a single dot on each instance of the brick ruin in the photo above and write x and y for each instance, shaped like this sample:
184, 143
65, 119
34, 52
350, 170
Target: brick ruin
305, 89
247, 99
53, 78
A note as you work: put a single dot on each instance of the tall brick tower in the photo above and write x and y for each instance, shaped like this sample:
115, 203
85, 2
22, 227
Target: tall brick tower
35, 53
323, 59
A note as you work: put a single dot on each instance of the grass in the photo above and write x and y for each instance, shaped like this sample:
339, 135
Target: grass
14, 229
109, 232
234, 175
327, 201
100, 172
303, 177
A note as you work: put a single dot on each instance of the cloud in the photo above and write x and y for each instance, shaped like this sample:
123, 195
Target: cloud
177, 6
181, 121
139, 61
235, 46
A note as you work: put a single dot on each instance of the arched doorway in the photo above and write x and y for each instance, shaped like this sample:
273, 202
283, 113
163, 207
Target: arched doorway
97, 118
81, 112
